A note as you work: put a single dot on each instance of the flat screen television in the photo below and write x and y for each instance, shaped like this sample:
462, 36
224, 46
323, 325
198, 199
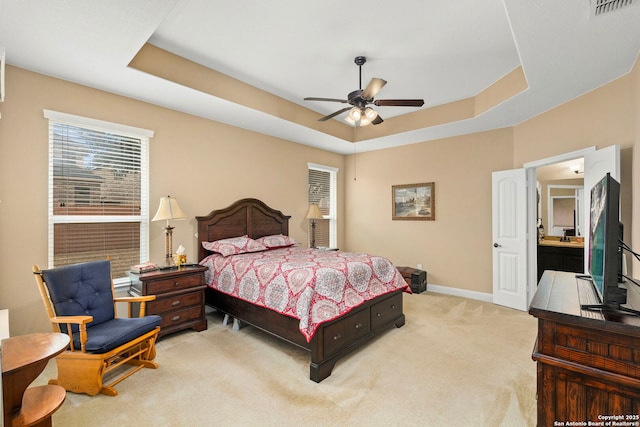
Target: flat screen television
604, 244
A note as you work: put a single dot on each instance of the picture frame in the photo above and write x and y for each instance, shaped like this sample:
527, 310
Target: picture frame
413, 202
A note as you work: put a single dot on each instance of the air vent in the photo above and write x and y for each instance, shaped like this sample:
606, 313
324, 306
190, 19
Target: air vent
603, 7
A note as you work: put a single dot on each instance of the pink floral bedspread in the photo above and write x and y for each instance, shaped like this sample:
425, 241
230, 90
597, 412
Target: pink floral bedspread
311, 285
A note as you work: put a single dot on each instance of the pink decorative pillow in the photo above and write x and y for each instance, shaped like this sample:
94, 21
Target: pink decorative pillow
276, 241
234, 246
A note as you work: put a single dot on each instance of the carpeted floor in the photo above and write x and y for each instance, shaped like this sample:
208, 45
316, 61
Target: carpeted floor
455, 362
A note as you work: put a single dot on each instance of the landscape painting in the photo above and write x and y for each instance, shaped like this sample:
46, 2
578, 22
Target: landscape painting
413, 202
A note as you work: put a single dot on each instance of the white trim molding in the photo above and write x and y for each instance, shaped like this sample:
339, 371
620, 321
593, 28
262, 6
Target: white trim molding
457, 292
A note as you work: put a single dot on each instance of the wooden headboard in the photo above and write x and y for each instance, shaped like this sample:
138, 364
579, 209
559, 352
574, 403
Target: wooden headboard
247, 216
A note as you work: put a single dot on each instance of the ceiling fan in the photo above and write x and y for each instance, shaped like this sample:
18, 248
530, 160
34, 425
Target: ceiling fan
360, 114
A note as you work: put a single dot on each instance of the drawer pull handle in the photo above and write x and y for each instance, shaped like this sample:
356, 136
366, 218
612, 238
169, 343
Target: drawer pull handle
379, 314
176, 284
177, 302
358, 325
175, 318
393, 307
337, 337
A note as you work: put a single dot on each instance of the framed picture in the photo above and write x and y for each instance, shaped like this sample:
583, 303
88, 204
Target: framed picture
414, 202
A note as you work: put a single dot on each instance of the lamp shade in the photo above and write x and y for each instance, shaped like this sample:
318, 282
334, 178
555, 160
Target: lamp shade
313, 212
168, 209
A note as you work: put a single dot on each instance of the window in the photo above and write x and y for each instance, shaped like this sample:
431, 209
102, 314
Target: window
322, 192
98, 192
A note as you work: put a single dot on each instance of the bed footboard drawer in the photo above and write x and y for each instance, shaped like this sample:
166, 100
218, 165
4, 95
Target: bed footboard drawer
387, 311
344, 332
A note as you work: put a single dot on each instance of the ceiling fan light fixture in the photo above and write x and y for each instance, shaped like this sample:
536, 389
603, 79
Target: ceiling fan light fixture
355, 114
360, 116
370, 113
576, 169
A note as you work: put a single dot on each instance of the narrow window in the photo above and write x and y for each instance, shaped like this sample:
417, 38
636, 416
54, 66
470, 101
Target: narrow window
322, 192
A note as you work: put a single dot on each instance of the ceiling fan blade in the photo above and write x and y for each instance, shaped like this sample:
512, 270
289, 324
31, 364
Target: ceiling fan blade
399, 102
311, 98
332, 115
377, 120
372, 88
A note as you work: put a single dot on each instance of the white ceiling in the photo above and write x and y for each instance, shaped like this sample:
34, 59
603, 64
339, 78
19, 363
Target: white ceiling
441, 51
561, 171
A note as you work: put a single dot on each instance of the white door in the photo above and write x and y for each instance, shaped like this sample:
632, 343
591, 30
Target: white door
596, 165
509, 230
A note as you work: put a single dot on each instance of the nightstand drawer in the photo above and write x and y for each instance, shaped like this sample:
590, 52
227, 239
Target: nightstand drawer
174, 302
181, 316
174, 284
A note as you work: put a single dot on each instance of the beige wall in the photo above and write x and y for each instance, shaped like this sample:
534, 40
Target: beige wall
599, 118
455, 249
188, 151
203, 164
603, 117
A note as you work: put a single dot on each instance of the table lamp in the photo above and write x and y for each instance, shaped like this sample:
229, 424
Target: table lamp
313, 213
168, 210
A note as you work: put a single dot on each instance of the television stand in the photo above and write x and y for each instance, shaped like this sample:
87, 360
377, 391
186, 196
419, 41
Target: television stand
586, 365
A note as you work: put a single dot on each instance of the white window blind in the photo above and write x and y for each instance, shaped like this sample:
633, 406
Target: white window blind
98, 192
322, 192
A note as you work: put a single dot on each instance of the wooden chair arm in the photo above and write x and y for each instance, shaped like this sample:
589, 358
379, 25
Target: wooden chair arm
142, 299
81, 321
77, 320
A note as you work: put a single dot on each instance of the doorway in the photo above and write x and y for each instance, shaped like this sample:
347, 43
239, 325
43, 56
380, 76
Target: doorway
524, 281
596, 164
550, 169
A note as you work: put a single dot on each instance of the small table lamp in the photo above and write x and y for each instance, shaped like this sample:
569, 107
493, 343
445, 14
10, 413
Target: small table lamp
313, 213
168, 210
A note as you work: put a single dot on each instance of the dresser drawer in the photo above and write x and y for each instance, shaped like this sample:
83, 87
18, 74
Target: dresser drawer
386, 311
343, 332
174, 302
173, 284
609, 352
178, 317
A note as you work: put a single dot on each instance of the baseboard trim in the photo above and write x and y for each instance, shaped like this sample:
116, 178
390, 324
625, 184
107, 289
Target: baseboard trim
447, 290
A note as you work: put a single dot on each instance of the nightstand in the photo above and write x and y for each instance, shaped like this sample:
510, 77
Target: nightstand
179, 297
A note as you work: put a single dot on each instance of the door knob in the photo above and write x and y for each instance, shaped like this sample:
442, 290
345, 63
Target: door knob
495, 245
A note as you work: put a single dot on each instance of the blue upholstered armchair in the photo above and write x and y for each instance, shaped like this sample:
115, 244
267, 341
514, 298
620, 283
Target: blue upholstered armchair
80, 302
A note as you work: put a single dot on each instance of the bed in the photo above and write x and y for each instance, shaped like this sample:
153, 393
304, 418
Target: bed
327, 341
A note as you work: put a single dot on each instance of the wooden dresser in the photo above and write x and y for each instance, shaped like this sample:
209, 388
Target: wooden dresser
588, 363
179, 297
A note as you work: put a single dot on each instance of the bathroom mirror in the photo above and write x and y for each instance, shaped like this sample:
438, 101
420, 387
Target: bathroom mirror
564, 210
